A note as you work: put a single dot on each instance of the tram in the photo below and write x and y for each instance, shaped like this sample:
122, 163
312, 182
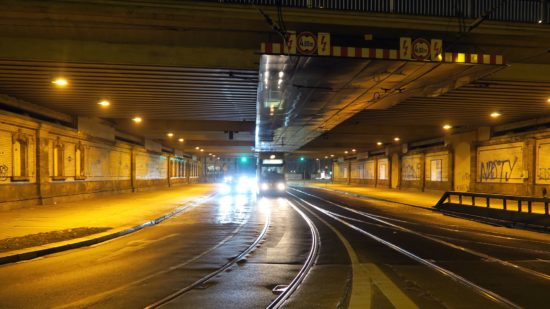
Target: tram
271, 170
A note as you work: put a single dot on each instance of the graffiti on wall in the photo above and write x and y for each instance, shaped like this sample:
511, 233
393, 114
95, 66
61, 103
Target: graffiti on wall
411, 168
4, 172
500, 163
543, 162
412, 171
499, 170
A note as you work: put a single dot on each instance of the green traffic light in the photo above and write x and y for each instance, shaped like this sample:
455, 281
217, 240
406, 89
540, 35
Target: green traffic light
244, 159
302, 158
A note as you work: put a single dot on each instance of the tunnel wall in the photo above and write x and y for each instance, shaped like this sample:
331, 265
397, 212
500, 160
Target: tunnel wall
42, 163
516, 164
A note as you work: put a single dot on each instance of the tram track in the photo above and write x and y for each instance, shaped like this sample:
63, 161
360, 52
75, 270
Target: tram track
436, 239
288, 289
482, 291
452, 229
216, 272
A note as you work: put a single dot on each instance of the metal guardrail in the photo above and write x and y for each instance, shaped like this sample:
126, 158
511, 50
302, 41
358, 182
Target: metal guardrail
523, 11
486, 199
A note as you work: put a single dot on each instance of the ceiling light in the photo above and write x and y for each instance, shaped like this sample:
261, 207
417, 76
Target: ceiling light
104, 103
202, 150
272, 156
281, 74
197, 148
326, 157
170, 134
447, 127
397, 139
60, 82
379, 143
210, 154
495, 114
353, 150
346, 152
181, 140
137, 119
332, 156
548, 100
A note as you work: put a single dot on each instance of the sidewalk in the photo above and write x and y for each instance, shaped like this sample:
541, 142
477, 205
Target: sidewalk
28, 230
413, 198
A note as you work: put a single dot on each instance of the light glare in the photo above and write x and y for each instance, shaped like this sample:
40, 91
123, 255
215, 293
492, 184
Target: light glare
60, 82
137, 119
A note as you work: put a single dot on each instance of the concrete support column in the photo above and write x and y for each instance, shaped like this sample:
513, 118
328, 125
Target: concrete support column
169, 170
530, 159
133, 166
423, 172
42, 165
395, 173
188, 171
451, 168
376, 172
349, 172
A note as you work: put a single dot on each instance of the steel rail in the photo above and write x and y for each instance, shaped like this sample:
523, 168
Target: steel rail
310, 261
455, 277
494, 235
204, 279
437, 240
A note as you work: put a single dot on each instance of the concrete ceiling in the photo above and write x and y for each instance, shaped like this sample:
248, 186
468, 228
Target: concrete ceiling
200, 105
421, 118
191, 68
302, 98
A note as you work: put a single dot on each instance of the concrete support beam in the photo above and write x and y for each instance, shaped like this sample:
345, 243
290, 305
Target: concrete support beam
35, 109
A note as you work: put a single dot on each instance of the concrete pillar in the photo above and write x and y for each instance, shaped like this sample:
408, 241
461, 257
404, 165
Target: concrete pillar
349, 172
42, 165
188, 171
450, 168
423, 172
133, 166
169, 170
462, 161
376, 172
530, 162
395, 168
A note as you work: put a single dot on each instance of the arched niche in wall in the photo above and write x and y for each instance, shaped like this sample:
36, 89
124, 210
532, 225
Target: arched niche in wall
20, 150
58, 160
80, 161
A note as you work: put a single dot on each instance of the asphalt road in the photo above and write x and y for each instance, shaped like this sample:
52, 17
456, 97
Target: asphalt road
371, 255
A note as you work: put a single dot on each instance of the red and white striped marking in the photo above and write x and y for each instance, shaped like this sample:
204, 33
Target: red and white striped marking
388, 54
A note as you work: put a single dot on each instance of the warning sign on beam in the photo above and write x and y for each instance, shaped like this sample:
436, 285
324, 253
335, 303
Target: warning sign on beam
291, 42
405, 48
324, 48
436, 50
306, 43
419, 49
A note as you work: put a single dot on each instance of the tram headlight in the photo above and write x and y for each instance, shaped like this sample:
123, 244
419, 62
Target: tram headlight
281, 186
264, 186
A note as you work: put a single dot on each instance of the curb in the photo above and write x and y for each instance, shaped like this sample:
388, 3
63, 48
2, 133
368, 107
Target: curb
371, 197
29, 255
